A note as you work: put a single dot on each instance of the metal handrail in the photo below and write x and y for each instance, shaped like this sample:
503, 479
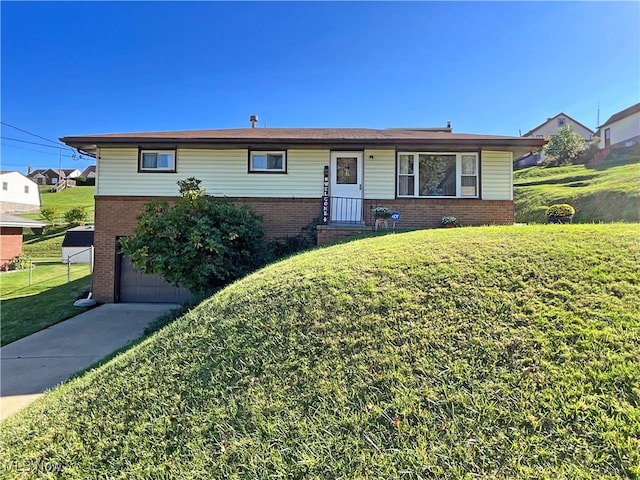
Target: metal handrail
346, 210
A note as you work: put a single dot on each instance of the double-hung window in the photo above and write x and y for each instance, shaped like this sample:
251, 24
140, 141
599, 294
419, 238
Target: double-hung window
437, 174
157, 161
268, 161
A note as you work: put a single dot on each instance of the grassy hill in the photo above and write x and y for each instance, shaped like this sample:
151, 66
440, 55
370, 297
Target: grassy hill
49, 245
66, 200
607, 192
493, 352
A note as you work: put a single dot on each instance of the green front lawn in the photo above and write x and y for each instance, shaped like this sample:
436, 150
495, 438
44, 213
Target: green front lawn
27, 309
493, 352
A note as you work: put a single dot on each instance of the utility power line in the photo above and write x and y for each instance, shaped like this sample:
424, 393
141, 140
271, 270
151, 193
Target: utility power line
34, 134
45, 153
36, 143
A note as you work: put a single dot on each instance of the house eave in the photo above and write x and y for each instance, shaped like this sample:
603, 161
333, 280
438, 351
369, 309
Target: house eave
516, 144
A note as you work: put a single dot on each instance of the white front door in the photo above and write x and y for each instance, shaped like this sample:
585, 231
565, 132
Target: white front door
346, 187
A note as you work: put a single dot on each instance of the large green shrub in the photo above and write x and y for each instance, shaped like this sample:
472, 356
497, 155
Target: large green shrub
199, 243
75, 216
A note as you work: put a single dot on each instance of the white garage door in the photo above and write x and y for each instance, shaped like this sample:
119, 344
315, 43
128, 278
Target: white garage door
136, 287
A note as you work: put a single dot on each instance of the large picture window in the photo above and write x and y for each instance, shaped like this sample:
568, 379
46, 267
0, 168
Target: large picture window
157, 161
437, 174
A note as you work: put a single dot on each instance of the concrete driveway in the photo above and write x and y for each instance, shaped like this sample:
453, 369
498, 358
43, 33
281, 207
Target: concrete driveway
41, 361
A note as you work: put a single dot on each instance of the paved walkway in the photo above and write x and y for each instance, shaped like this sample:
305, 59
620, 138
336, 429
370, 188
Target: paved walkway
33, 364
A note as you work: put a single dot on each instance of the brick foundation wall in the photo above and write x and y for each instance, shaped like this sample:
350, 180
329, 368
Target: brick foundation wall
116, 217
327, 233
10, 243
426, 212
282, 217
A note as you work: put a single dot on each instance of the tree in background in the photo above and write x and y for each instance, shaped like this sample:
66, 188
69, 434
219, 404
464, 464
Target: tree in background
76, 216
200, 243
49, 214
564, 147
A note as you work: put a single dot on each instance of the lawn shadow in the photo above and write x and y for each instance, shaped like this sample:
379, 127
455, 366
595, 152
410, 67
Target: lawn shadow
33, 238
616, 162
25, 315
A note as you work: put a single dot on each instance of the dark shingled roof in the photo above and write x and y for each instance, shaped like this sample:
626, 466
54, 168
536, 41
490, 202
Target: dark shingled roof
346, 137
79, 237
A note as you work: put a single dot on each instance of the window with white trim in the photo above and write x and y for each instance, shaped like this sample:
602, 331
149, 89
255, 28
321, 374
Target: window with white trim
157, 161
26, 189
437, 174
268, 161
5, 186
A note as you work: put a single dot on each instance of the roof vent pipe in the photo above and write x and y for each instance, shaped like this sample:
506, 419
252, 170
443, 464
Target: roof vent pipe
253, 119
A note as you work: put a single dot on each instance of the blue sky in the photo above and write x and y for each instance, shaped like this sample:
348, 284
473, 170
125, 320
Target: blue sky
72, 68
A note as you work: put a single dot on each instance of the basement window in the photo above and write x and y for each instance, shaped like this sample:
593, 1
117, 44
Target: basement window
268, 162
157, 161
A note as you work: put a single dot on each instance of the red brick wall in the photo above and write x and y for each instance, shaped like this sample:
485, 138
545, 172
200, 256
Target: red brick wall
326, 234
426, 212
10, 243
284, 217
116, 216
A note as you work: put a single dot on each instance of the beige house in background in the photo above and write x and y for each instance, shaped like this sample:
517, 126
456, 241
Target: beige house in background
547, 130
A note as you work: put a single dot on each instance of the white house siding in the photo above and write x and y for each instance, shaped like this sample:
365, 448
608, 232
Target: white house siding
624, 129
14, 199
223, 173
497, 175
379, 174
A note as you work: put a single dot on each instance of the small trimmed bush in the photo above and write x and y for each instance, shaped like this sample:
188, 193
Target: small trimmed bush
561, 210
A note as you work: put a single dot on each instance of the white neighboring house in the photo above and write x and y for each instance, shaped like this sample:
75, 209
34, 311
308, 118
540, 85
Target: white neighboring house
622, 129
71, 172
77, 243
18, 194
547, 130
